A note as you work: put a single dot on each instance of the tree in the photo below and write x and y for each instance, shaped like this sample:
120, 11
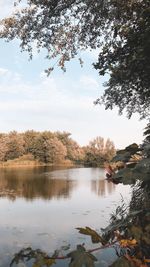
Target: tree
109, 149
147, 134
74, 151
3, 146
47, 148
136, 161
146, 143
119, 29
15, 146
55, 151
39, 147
29, 139
98, 151
97, 144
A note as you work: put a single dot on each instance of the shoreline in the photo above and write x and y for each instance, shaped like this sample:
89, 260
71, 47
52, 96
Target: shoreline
26, 162
33, 164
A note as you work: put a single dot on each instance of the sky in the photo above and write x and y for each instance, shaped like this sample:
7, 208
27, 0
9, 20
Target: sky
61, 102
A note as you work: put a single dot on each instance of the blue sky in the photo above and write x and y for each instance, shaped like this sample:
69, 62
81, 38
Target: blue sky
64, 101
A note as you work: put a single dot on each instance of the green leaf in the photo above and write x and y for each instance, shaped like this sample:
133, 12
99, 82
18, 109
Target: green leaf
124, 156
125, 176
122, 262
95, 237
133, 148
80, 258
136, 231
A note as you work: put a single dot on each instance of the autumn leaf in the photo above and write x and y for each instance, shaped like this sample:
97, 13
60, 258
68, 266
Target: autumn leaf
127, 242
95, 237
80, 258
49, 262
43, 262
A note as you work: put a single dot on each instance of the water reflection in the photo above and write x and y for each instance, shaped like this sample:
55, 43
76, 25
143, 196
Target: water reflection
102, 187
51, 184
63, 200
33, 183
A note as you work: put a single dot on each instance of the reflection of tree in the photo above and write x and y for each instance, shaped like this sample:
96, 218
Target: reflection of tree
33, 184
102, 187
110, 187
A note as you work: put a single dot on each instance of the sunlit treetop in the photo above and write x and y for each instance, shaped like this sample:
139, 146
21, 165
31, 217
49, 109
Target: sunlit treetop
120, 30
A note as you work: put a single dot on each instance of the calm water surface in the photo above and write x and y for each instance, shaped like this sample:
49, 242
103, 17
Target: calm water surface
41, 208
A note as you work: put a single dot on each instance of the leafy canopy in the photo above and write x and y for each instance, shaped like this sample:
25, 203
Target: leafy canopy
120, 30
135, 161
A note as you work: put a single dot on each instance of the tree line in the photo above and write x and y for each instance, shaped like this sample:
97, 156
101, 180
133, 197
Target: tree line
54, 147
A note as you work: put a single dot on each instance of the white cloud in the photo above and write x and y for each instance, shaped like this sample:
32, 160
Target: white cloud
10, 81
43, 75
44, 97
48, 105
3, 71
6, 7
91, 53
89, 82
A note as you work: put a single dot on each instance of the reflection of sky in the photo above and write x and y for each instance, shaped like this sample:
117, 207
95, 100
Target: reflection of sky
79, 174
51, 223
52, 184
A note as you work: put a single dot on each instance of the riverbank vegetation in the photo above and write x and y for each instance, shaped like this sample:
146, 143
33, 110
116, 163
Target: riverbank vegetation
52, 148
134, 161
133, 221
128, 232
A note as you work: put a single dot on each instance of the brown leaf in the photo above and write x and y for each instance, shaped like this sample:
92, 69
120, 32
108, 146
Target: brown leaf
95, 237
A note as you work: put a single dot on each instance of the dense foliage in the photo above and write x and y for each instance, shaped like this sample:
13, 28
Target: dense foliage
53, 148
98, 151
120, 30
135, 161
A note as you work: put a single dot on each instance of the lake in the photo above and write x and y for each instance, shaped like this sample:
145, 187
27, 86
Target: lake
42, 207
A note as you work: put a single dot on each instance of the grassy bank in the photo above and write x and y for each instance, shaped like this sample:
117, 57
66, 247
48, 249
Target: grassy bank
29, 161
